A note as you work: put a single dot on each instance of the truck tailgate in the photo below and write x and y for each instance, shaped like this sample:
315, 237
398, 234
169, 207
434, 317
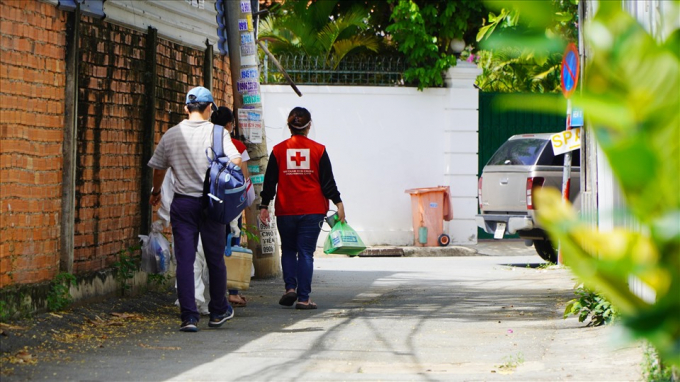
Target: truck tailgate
504, 189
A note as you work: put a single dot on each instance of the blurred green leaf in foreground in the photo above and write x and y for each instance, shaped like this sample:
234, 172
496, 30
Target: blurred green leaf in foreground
631, 101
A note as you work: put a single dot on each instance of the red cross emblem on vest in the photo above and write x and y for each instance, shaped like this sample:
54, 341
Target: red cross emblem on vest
297, 159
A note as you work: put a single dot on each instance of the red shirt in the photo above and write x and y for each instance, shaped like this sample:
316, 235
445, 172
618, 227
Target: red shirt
240, 146
299, 187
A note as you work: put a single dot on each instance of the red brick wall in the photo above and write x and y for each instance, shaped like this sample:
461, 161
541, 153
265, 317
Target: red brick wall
111, 112
32, 84
222, 90
179, 69
111, 106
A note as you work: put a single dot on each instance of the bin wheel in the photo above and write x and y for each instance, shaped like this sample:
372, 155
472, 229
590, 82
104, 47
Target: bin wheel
443, 240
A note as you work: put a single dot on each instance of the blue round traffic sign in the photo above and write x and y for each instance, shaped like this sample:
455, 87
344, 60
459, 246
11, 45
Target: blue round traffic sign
570, 70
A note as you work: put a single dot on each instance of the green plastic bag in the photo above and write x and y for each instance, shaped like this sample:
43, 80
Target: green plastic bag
343, 239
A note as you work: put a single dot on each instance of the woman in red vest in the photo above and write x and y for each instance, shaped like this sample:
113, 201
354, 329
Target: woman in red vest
302, 170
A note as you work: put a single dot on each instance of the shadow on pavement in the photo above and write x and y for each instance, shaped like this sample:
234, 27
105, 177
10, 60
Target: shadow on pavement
528, 265
279, 337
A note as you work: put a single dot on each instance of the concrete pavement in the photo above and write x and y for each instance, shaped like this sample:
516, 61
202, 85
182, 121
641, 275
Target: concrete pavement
486, 317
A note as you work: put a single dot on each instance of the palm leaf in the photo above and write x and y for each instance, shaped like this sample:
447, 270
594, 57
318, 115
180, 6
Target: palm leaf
342, 47
319, 12
333, 31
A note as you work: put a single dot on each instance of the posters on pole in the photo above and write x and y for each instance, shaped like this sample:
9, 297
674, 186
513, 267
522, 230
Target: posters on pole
250, 123
257, 179
249, 73
245, 6
267, 236
248, 86
250, 58
243, 25
248, 50
251, 99
247, 38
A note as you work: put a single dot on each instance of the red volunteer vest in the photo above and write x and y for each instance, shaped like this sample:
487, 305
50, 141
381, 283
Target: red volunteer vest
299, 189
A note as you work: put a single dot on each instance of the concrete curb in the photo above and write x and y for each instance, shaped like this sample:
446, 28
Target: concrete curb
450, 251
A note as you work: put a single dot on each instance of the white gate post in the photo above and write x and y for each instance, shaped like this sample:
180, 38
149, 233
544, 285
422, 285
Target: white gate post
461, 150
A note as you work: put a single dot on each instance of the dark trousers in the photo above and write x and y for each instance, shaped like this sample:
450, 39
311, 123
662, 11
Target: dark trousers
188, 221
298, 243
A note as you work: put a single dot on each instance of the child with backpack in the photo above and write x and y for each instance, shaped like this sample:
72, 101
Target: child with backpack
225, 117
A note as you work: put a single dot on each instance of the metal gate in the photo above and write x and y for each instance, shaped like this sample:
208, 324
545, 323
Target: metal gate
497, 125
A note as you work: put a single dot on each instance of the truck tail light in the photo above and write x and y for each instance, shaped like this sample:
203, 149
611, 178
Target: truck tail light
479, 193
532, 185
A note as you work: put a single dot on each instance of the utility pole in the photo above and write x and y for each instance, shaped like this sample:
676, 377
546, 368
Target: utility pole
241, 41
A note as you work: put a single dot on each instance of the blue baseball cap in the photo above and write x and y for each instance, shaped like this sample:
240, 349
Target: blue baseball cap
199, 94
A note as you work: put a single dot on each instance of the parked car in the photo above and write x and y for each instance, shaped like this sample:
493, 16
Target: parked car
507, 185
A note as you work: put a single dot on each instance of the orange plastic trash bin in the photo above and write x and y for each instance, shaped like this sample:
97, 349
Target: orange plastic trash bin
430, 207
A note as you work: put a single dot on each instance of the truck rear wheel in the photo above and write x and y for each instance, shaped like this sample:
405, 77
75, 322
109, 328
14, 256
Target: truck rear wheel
545, 249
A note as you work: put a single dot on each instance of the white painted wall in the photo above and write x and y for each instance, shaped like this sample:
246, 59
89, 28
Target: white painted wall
385, 140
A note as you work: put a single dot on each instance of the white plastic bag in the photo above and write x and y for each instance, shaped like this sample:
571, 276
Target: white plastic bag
167, 193
156, 251
250, 192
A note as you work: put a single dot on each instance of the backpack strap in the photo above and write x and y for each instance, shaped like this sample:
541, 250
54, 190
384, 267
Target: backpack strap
218, 141
218, 156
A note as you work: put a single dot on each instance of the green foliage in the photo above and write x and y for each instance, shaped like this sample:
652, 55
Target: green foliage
249, 231
126, 266
509, 71
534, 64
423, 31
511, 363
59, 297
4, 311
157, 280
590, 304
315, 29
631, 101
15, 304
379, 12
653, 369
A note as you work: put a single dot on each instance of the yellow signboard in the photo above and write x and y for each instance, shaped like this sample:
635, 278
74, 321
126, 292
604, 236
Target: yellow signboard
565, 141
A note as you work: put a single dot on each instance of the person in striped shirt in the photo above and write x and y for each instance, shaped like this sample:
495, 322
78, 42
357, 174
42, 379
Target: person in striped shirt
184, 148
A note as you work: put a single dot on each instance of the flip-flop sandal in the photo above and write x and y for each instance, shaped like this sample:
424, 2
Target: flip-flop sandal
239, 304
288, 299
311, 305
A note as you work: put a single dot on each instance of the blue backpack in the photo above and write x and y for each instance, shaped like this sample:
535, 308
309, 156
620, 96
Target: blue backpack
224, 187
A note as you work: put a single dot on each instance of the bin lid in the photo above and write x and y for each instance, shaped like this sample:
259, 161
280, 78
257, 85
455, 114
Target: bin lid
414, 191
238, 248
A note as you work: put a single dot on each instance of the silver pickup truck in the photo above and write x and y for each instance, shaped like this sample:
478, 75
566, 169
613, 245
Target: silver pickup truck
522, 164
